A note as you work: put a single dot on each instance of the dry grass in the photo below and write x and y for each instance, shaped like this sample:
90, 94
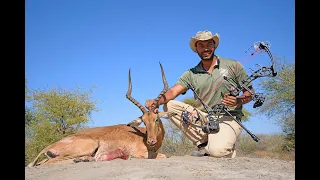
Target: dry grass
269, 146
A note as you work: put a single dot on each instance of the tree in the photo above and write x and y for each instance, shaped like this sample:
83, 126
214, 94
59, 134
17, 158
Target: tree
25, 88
28, 115
280, 98
55, 114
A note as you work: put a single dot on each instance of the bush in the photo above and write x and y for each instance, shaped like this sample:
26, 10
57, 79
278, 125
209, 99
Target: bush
270, 145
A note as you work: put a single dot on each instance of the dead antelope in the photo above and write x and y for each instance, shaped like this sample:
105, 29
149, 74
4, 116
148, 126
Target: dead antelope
111, 142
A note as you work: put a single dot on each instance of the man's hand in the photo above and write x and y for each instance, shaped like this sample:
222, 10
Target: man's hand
229, 100
148, 105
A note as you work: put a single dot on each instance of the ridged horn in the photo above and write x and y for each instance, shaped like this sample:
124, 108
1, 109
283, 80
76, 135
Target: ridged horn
165, 89
128, 95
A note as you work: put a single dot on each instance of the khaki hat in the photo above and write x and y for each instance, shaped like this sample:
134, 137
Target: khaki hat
202, 36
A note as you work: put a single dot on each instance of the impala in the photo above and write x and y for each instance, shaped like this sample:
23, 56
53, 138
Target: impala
111, 142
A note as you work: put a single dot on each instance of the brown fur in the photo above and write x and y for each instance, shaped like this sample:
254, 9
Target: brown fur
99, 141
111, 142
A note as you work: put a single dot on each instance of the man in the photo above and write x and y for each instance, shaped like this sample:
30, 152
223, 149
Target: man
207, 80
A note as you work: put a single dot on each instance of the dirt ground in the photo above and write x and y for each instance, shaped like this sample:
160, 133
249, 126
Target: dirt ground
175, 167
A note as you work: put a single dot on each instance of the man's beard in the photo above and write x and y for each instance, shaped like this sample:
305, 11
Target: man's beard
207, 58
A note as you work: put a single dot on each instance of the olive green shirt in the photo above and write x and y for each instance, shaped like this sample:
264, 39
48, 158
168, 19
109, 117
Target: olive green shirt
212, 87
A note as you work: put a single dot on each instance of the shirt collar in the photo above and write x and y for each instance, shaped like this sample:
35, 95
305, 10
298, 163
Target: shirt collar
199, 68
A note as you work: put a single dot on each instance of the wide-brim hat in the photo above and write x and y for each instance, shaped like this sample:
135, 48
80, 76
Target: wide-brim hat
202, 36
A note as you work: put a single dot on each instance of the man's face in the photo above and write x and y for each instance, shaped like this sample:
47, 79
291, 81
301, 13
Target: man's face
205, 49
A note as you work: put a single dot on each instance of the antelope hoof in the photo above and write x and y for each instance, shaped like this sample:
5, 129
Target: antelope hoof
161, 156
76, 160
50, 154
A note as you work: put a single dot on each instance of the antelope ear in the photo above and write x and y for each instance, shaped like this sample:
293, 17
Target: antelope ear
135, 123
166, 115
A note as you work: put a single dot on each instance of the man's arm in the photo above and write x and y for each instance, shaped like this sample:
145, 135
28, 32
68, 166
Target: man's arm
246, 97
171, 94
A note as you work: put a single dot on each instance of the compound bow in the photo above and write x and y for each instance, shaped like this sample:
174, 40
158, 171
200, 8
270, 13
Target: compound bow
213, 114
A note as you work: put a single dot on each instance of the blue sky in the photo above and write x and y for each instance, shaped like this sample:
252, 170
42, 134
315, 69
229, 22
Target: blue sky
72, 44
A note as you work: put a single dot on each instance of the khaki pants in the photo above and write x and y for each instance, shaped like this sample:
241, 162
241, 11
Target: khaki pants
220, 144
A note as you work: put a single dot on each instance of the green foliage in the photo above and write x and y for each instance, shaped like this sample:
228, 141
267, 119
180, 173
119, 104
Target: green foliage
280, 98
28, 116
26, 90
39, 135
54, 114
246, 115
63, 109
189, 101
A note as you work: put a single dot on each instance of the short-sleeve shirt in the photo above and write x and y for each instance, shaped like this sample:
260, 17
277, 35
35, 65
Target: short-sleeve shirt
211, 87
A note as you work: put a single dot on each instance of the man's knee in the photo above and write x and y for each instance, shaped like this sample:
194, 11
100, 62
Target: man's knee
220, 151
168, 106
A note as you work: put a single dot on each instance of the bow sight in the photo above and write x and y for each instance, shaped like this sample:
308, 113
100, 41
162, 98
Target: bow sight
214, 113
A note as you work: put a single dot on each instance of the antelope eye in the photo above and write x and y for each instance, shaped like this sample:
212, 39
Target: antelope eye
157, 120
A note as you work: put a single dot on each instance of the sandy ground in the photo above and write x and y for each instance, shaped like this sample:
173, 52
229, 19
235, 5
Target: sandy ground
175, 167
